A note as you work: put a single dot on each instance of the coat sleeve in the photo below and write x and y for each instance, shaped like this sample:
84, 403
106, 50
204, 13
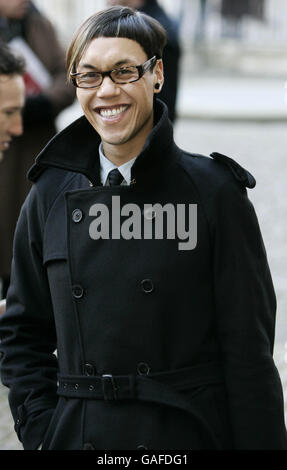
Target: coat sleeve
27, 333
245, 312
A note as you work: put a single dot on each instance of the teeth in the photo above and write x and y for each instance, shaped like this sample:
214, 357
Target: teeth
112, 112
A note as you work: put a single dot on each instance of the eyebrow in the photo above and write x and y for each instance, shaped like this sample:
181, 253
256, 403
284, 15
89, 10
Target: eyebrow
117, 64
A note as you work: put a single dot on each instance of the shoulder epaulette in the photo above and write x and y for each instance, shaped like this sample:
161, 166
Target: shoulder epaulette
242, 175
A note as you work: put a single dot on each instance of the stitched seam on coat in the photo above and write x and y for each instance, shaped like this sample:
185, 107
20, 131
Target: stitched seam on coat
195, 187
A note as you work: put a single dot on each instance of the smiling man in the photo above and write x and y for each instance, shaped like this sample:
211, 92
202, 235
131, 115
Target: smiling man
160, 344
122, 116
12, 97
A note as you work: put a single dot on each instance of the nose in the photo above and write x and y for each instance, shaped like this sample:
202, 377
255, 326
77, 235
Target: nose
16, 127
108, 88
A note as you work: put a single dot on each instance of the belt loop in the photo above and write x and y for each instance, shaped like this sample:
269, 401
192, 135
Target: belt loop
109, 387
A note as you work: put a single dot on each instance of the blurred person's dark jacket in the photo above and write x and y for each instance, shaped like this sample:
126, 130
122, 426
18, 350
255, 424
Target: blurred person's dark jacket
236, 10
171, 55
39, 121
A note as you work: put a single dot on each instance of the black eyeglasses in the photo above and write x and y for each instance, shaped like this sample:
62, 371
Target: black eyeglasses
120, 76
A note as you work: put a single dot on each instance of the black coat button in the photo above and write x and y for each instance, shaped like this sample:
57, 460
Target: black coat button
77, 216
89, 369
77, 292
149, 213
143, 368
88, 446
142, 447
147, 286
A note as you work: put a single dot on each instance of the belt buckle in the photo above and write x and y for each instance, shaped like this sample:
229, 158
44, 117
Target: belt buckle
109, 387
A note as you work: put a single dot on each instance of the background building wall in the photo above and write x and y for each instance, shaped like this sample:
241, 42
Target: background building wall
67, 15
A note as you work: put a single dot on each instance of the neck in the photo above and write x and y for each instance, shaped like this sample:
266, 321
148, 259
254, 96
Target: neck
122, 153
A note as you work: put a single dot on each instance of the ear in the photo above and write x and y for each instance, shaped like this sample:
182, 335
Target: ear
158, 76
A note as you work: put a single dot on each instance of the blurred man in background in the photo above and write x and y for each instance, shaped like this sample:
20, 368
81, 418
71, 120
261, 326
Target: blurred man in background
26, 30
172, 51
12, 96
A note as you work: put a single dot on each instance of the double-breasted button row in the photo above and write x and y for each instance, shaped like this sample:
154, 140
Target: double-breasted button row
148, 213
147, 286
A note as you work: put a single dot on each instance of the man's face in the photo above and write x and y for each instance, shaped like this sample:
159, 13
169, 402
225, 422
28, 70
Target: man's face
13, 8
12, 96
134, 101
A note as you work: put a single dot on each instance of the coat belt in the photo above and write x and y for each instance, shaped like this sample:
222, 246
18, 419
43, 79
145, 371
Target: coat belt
162, 388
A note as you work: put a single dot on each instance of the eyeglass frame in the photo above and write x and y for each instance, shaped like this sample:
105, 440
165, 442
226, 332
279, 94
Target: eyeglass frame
142, 69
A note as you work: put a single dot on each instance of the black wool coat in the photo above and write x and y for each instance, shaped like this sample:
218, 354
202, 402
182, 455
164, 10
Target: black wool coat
156, 347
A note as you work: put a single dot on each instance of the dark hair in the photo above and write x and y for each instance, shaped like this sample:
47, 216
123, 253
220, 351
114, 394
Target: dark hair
121, 22
9, 63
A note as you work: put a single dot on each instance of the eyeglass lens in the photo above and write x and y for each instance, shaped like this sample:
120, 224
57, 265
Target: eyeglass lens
124, 75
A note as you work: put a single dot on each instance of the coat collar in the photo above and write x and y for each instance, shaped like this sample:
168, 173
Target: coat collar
76, 149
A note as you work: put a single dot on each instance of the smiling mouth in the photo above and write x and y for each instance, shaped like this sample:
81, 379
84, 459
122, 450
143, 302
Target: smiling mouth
112, 112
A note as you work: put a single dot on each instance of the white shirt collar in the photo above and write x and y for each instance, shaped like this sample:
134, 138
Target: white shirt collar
107, 166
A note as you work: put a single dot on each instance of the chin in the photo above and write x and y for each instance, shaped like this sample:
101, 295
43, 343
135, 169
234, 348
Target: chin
113, 139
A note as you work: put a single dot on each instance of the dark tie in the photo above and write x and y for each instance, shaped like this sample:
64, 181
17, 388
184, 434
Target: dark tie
115, 177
